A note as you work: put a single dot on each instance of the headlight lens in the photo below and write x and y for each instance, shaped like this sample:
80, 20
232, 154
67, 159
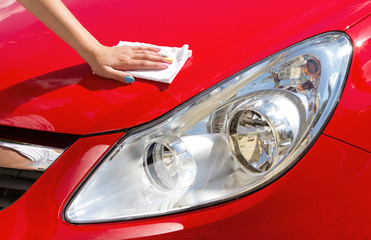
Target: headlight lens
262, 130
230, 140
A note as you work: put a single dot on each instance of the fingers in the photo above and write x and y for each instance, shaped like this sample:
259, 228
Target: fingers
112, 62
141, 58
149, 53
143, 54
146, 48
146, 52
150, 57
117, 75
148, 65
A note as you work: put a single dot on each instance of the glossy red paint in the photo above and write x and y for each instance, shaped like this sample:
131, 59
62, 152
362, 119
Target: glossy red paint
351, 121
319, 198
38, 213
46, 86
325, 196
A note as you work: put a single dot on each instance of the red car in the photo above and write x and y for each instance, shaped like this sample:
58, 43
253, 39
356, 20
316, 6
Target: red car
263, 134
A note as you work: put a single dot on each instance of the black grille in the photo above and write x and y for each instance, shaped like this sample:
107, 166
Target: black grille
15, 182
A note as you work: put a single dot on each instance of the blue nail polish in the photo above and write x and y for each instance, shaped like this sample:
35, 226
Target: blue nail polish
164, 55
129, 79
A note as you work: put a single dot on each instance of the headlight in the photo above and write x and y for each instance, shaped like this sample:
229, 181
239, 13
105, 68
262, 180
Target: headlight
226, 142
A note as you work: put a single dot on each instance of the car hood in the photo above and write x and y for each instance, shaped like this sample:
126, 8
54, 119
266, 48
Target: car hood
46, 86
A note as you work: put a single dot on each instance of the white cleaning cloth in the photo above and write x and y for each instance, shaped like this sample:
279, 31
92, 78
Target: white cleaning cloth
179, 55
35, 154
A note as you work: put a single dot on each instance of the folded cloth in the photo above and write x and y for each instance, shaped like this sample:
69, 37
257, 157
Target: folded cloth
35, 154
179, 55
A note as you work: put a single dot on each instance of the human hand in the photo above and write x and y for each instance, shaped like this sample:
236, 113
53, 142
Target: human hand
112, 62
108, 62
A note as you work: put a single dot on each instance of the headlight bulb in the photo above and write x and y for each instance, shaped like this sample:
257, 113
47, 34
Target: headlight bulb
312, 67
260, 132
168, 164
252, 140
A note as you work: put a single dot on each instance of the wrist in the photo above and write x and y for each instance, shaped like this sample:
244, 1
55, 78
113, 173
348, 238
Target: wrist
90, 50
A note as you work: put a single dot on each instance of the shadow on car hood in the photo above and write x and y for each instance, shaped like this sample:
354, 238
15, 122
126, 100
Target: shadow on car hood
46, 86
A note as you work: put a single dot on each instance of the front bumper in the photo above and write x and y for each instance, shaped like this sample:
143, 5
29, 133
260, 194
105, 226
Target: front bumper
322, 196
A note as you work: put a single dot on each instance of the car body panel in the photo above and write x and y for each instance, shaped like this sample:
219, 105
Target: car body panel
324, 196
319, 199
39, 210
47, 87
351, 121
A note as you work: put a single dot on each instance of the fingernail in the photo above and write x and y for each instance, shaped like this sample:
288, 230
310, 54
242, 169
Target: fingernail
129, 79
169, 60
165, 64
158, 49
164, 55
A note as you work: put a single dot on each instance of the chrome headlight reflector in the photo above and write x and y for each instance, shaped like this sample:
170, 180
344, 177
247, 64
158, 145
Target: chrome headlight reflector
229, 141
261, 131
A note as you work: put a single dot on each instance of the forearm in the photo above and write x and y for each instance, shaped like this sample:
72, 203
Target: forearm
109, 62
55, 15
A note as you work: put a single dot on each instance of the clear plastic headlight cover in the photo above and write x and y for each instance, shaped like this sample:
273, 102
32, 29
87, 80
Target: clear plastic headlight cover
231, 140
